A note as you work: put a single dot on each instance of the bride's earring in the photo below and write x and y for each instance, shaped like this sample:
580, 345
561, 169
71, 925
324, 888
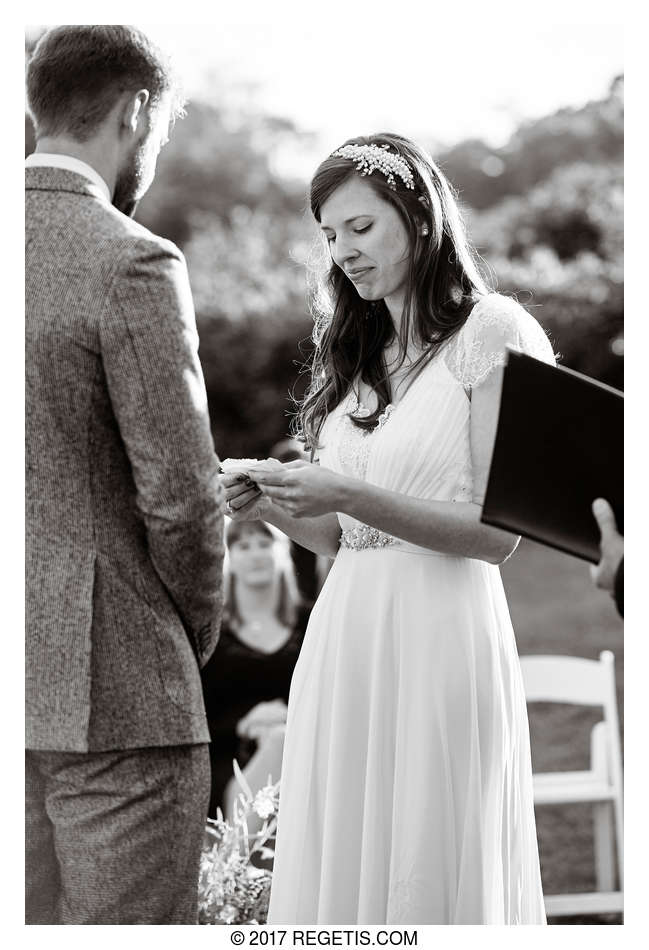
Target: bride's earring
424, 230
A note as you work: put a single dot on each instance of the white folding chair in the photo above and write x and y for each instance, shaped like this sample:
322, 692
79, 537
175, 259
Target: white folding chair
568, 679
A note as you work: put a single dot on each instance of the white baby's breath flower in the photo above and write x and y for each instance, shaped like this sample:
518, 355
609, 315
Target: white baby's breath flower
263, 805
229, 914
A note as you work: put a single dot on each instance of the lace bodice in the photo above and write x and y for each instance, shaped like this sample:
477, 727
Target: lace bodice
353, 452
421, 445
494, 324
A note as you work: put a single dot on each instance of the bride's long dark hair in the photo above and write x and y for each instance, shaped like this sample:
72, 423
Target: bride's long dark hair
443, 283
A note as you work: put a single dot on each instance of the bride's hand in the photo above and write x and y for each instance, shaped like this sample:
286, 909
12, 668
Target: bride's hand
302, 489
242, 502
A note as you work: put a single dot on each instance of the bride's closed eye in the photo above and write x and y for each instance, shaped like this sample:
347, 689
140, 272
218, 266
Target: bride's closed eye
363, 230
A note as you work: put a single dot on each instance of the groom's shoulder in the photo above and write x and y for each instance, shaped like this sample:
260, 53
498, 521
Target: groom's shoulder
124, 237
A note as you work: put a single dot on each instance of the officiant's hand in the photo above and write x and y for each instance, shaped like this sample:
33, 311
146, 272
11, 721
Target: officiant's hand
611, 546
243, 502
302, 489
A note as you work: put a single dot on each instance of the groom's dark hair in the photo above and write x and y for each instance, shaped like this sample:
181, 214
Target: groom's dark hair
77, 73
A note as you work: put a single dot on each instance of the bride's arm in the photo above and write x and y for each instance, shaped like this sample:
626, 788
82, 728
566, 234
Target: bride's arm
320, 535
450, 527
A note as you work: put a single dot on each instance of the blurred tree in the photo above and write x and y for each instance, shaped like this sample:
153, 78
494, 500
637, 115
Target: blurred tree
212, 165
577, 208
245, 237
593, 133
252, 377
32, 36
562, 246
249, 291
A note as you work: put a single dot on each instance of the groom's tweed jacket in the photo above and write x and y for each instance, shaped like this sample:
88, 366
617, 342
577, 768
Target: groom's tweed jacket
124, 508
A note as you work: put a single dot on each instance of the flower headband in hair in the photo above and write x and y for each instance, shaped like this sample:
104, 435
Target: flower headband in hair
370, 157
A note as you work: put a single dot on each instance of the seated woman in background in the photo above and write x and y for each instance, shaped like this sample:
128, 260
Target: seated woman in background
246, 681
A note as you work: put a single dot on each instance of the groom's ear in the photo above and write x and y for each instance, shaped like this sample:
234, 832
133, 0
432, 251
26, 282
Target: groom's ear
133, 117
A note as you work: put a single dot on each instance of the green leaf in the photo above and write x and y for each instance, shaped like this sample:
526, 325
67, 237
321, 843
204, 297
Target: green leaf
241, 779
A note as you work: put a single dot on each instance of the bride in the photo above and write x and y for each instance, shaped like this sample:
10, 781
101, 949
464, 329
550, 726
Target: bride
406, 791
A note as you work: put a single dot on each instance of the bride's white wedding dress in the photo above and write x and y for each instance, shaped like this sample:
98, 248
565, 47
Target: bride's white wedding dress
406, 790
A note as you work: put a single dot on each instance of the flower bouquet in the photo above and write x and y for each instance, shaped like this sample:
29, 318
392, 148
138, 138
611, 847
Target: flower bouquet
231, 890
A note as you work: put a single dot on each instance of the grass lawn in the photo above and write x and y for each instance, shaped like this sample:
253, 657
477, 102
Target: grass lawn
555, 609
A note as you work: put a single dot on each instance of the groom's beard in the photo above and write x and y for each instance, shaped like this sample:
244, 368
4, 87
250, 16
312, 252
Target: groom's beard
128, 187
129, 208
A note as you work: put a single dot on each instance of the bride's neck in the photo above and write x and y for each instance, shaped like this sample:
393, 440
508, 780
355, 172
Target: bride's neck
394, 357
392, 352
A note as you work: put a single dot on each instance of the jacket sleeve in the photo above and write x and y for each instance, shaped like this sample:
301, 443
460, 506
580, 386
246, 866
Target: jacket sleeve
149, 348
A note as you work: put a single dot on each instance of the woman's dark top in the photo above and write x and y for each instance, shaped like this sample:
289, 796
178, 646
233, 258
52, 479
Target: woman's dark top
306, 573
235, 679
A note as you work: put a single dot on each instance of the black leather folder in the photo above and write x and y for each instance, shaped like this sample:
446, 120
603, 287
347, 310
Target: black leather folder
559, 445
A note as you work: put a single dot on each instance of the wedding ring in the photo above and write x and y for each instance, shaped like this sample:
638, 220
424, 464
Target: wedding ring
228, 508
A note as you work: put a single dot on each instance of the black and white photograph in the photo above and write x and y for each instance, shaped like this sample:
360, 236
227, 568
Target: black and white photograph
324, 472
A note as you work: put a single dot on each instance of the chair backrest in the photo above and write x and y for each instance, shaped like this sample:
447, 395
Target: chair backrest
568, 679
571, 679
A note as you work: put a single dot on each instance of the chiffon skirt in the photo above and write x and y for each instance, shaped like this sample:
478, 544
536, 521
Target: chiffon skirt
406, 790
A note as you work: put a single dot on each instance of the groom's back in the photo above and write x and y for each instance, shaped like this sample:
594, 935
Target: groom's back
110, 657
72, 243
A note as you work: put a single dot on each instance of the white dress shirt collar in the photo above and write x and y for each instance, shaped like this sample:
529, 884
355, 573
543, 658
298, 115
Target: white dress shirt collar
47, 160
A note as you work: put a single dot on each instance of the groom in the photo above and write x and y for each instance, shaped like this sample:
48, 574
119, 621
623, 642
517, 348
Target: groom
124, 508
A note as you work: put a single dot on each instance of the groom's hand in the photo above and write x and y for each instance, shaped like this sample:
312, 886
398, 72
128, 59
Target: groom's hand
243, 500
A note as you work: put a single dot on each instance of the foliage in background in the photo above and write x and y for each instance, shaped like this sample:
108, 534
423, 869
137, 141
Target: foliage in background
245, 234
560, 249
486, 175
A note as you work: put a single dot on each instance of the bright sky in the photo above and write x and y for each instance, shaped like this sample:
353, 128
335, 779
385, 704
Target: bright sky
340, 78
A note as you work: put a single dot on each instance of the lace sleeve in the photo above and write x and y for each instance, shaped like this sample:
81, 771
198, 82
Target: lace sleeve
495, 323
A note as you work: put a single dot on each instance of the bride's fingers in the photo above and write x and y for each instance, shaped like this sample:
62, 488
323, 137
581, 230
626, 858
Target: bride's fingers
277, 493
274, 478
287, 505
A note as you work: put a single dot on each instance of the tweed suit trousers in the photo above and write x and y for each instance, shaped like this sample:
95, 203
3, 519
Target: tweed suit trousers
115, 837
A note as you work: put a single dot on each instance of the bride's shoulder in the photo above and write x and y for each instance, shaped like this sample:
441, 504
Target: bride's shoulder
495, 323
500, 312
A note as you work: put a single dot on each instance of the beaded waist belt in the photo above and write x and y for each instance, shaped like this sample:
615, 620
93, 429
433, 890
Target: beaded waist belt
363, 536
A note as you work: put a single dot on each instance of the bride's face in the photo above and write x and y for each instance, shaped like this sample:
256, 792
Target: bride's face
367, 239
